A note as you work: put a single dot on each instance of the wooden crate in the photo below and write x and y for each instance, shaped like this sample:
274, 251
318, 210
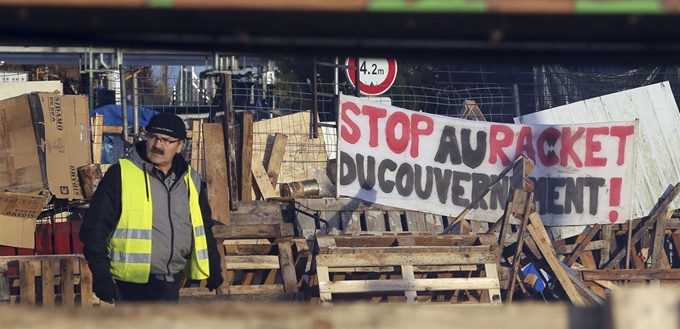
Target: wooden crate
414, 268
45, 280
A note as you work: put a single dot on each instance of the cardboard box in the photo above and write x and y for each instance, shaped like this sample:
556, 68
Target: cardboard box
78, 139
18, 213
44, 138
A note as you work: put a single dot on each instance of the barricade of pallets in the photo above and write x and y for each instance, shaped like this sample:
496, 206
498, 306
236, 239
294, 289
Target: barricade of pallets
410, 267
46, 280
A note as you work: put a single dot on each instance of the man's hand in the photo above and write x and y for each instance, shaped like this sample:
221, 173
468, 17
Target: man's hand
105, 289
214, 281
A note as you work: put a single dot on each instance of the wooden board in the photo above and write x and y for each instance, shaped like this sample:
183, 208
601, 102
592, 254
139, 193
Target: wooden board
97, 124
252, 231
246, 156
259, 174
216, 171
302, 156
275, 158
392, 259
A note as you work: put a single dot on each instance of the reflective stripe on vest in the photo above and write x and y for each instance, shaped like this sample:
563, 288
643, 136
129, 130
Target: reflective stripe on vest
130, 243
199, 266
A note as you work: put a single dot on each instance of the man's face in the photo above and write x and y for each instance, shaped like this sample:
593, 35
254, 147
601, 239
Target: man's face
161, 148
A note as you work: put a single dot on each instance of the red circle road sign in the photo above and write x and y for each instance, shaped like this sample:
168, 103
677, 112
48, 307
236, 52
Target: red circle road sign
376, 74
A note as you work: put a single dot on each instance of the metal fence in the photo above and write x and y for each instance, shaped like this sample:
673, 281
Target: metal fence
502, 92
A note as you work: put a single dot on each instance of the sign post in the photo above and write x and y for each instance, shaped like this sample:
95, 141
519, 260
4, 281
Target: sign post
376, 75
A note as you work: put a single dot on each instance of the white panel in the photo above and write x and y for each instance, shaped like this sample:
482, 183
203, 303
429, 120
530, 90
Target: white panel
657, 169
13, 89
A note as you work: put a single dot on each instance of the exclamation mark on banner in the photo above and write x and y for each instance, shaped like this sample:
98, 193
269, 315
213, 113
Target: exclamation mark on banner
614, 197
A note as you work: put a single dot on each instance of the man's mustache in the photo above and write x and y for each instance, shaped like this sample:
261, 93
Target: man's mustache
157, 151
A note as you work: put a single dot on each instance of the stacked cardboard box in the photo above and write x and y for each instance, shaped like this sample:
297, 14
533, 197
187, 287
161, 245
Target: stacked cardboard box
44, 138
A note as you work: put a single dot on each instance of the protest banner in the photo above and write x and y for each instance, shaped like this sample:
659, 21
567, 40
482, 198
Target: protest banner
583, 173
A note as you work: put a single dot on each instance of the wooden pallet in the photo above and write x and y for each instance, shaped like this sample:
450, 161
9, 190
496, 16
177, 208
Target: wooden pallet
263, 266
414, 268
45, 280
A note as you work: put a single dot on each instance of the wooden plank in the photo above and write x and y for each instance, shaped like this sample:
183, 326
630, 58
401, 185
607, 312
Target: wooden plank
252, 262
47, 274
85, 284
262, 179
491, 270
537, 231
439, 284
415, 221
252, 231
647, 222
351, 221
68, 295
659, 235
394, 221
582, 246
246, 156
216, 171
226, 284
287, 263
276, 157
405, 249
229, 133
349, 260
631, 275
375, 221
324, 278
433, 223
417, 269
234, 290
408, 275
568, 249
257, 289
606, 235
406, 239
97, 123
27, 279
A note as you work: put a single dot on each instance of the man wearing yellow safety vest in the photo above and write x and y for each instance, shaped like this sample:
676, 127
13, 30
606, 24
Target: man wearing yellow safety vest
149, 222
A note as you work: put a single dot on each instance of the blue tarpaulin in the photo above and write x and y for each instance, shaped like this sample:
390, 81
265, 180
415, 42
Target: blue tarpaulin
112, 144
531, 269
113, 116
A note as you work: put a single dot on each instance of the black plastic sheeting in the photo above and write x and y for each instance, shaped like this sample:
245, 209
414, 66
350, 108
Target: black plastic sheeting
556, 85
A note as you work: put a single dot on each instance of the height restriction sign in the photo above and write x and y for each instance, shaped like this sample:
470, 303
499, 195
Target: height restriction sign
376, 75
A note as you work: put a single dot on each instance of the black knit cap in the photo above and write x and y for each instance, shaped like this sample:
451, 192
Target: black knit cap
167, 124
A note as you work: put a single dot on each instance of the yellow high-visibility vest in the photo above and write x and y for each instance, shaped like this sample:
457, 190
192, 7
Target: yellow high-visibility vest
130, 244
